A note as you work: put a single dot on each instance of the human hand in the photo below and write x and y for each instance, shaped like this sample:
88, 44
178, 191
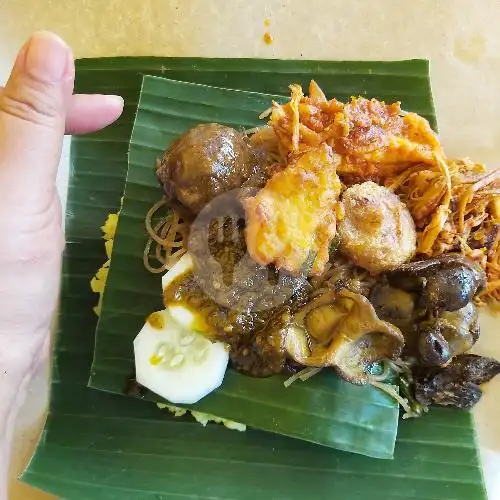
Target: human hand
37, 107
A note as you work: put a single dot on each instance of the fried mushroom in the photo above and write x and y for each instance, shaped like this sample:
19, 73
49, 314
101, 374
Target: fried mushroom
377, 231
292, 220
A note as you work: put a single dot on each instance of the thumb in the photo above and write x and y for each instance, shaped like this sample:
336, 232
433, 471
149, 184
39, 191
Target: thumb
32, 116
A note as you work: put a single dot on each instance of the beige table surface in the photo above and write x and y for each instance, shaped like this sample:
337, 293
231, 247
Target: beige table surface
460, 37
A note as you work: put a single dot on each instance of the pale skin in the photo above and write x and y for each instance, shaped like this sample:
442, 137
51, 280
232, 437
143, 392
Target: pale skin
37, 107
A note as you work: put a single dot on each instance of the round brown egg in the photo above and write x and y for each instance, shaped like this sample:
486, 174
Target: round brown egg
377, 231
204, 162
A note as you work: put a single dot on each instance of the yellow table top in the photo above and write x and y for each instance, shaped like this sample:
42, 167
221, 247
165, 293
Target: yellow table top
460, 37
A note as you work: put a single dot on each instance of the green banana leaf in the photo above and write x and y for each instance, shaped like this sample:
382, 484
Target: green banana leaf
325, 410
103, 446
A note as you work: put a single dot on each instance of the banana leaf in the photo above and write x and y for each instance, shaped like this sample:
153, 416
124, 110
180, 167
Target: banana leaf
325, 410
103, 446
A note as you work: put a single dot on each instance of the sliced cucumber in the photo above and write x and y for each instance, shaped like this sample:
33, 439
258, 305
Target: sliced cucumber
177, 363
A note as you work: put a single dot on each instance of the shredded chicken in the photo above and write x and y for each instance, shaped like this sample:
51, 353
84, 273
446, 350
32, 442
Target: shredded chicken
292, 220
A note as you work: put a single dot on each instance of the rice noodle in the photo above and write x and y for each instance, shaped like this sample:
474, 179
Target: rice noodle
266, 113
165, 245
393, 392
302, 375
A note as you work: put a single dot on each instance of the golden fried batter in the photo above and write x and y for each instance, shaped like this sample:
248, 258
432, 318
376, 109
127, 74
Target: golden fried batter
377, 231
293, 217
374, 139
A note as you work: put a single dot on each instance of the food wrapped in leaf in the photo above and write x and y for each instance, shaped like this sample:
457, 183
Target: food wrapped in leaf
250, 261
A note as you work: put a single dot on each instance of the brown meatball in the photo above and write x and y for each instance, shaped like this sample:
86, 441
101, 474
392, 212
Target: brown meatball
204, 162
377, 231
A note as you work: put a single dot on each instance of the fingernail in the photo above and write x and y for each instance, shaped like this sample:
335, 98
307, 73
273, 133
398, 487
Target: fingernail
114, 100
47, 57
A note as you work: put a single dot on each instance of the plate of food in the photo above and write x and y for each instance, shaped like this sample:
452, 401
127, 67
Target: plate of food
306, 268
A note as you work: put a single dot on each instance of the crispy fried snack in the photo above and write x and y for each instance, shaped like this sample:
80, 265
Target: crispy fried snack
377, 231
455, 204
374, 139
292, 219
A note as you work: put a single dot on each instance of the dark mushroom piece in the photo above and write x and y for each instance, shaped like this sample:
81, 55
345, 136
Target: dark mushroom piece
457, 384
313, 325
453, 287
394, 305
358, 340
400, 308
448, 334
448, 282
